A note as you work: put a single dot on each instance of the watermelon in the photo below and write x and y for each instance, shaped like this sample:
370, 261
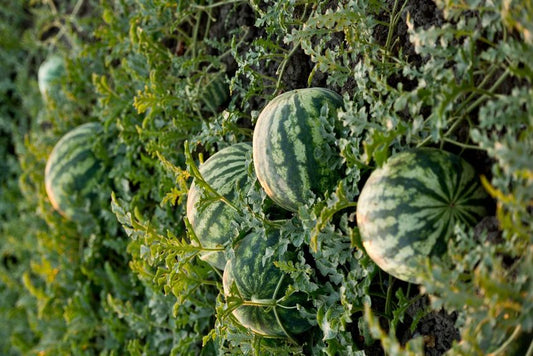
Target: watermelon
73, 172
408, 208
50, 72
226, 172
214, 93
261, 285
294, 151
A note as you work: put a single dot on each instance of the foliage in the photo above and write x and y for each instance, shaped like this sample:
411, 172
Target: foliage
131, 280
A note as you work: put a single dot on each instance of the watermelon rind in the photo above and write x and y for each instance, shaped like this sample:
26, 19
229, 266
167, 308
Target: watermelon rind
214, 221
73, 172
255, 278
215, 92
295, 157
49, 74
408, 208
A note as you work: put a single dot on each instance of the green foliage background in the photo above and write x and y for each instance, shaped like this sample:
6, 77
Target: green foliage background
130, 282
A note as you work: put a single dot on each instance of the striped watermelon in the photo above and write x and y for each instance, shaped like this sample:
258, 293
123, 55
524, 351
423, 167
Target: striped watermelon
408, 208
260, 284
214, 93
226, 172
293, 146
72, 172
50, 71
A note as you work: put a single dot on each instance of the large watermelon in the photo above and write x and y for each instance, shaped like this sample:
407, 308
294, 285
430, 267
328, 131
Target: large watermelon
261, 285
213, 221
50, 72
408, 208
293, 146
73, 172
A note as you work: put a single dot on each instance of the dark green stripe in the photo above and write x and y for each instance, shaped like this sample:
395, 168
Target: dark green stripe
219, 168
270, 171
444, 176
239, 185
227, 186
313, 167
208, 217
456, 170
230, 155
68, 167
88, 175
74, 141
293, 178
64, 148
251, 276
418, 185
467, 192
441, 243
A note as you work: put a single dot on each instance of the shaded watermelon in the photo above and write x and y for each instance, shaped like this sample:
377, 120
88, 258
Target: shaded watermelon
214, 92
49, 74
212, 222
408, 208
73, 172
262, 286
293, 146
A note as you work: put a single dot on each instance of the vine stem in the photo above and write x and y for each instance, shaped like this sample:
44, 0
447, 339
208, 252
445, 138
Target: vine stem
275, 310
283, 66
198, 175
388, 301
53, 7
469, 109
77, 8
487, 77
462, 145
212, 6
530, 350
476, 103
394, 18
508, 342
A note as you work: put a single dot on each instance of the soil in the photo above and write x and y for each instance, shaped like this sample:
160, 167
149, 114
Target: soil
437, 327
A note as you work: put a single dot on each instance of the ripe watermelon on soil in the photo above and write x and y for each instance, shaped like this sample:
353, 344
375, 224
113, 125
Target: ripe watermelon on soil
73, 172
262, 286
294, 146
409, 207
213, 221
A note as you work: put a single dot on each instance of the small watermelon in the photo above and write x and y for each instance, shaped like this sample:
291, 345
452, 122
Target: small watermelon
50, 72
214, 92
408, 208
73, 172
226, 172
293, 147
262, 285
